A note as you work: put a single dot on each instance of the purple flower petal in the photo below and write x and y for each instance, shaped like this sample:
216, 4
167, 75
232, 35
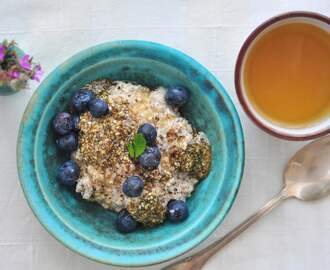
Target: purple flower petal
2, 52
14, 74
38, 72
25, 62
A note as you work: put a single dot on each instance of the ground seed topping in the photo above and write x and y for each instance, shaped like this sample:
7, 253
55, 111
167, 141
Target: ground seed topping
149, 210
195, 159
103, 141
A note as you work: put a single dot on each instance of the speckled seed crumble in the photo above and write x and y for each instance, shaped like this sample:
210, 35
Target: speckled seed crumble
103, 156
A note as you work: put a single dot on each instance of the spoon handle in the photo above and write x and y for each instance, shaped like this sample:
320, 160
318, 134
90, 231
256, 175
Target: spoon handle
197, 261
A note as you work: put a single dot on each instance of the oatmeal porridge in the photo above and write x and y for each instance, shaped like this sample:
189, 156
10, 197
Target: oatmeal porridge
123, 170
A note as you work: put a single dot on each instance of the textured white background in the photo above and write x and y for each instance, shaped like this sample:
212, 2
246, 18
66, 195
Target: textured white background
294, 236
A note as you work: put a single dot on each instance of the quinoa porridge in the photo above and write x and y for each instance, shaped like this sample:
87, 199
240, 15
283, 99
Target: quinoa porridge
105, 163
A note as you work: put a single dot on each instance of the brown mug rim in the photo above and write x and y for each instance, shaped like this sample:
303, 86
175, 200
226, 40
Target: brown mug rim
238, 67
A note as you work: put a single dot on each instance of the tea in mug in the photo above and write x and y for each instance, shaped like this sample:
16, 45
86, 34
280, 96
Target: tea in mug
287, 74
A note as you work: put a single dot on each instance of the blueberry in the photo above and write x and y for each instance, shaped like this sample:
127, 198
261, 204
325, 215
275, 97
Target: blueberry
177, 96
125, 222
150, 159
177, 211
68, 173
62, 123
98, 107
68, 143
133, 186
80, 100
149, 132
75, 121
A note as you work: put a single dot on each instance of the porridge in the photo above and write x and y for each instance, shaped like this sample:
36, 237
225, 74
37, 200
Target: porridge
135, 154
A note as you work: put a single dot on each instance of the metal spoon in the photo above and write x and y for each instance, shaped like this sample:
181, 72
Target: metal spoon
306, 177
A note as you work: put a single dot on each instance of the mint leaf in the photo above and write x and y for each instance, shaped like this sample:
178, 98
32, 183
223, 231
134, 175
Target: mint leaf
137, 147
139, 144
131, 151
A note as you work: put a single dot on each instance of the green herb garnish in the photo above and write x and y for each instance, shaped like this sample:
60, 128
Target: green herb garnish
131, 151
137, 147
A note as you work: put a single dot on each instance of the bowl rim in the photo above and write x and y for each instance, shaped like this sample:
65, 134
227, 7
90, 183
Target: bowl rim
239, 168
287, 135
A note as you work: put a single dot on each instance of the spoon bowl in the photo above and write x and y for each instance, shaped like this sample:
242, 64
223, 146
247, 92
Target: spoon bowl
307, 175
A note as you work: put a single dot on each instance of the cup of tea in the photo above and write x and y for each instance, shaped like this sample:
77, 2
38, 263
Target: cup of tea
282, 75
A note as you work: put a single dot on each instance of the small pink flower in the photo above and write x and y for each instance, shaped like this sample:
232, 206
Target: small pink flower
38, 72
2, 52
25, 62
14, 74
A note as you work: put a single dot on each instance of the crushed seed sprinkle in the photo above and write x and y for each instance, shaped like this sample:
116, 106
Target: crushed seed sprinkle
149, 210
196, 159
103, 141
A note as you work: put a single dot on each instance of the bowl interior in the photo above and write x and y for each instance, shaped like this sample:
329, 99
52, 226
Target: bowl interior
86, 227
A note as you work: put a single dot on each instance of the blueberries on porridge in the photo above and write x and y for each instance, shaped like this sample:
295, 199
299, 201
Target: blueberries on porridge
132, 152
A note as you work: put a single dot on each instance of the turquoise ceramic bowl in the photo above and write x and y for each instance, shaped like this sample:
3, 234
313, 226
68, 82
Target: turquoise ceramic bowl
84, 226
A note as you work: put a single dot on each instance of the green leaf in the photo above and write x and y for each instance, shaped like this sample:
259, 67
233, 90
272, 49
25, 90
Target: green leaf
137, 147
139, 144
131, 151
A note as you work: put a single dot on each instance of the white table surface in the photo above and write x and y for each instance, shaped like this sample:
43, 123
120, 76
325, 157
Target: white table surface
294, 236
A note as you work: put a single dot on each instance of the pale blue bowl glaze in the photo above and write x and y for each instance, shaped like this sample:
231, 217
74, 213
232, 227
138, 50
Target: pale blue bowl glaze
86, 227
